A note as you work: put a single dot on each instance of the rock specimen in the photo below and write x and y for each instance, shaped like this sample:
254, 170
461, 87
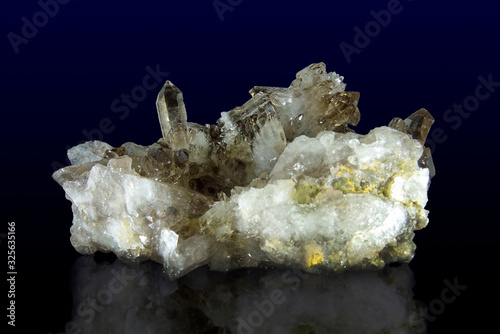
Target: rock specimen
280, 181
116, 298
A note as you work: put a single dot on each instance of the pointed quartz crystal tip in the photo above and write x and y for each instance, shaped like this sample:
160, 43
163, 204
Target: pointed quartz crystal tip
418, 126
345, 107
171, 109
173, 117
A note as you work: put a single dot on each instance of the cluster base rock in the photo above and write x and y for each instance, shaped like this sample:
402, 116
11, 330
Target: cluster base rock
280, 181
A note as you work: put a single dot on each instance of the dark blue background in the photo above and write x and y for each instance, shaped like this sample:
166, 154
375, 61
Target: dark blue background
64, 80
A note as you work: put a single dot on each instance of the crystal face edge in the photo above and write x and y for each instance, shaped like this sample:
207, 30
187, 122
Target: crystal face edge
279, 181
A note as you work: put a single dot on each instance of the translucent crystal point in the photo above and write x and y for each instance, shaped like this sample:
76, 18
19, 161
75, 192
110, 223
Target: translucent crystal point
172, 114
418, 126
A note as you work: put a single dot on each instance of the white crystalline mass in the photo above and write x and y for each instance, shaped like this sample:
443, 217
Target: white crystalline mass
88, 152
280, 181
342, 225
348, 221
132, 211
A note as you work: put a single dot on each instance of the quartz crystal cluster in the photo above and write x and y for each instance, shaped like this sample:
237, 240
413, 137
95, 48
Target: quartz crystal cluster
281, 181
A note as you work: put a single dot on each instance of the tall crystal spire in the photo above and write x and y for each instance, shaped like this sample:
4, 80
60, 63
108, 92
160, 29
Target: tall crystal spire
172, 115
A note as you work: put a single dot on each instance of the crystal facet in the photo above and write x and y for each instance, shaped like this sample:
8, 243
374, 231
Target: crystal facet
279, 181
418, 126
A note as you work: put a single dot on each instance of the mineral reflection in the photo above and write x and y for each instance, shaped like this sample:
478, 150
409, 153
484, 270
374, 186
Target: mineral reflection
136, 299
280, 181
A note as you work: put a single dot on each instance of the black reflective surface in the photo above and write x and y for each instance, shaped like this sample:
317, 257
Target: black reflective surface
62, 86
136, 299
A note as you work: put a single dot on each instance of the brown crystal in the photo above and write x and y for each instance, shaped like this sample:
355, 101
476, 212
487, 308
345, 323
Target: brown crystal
418, 126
